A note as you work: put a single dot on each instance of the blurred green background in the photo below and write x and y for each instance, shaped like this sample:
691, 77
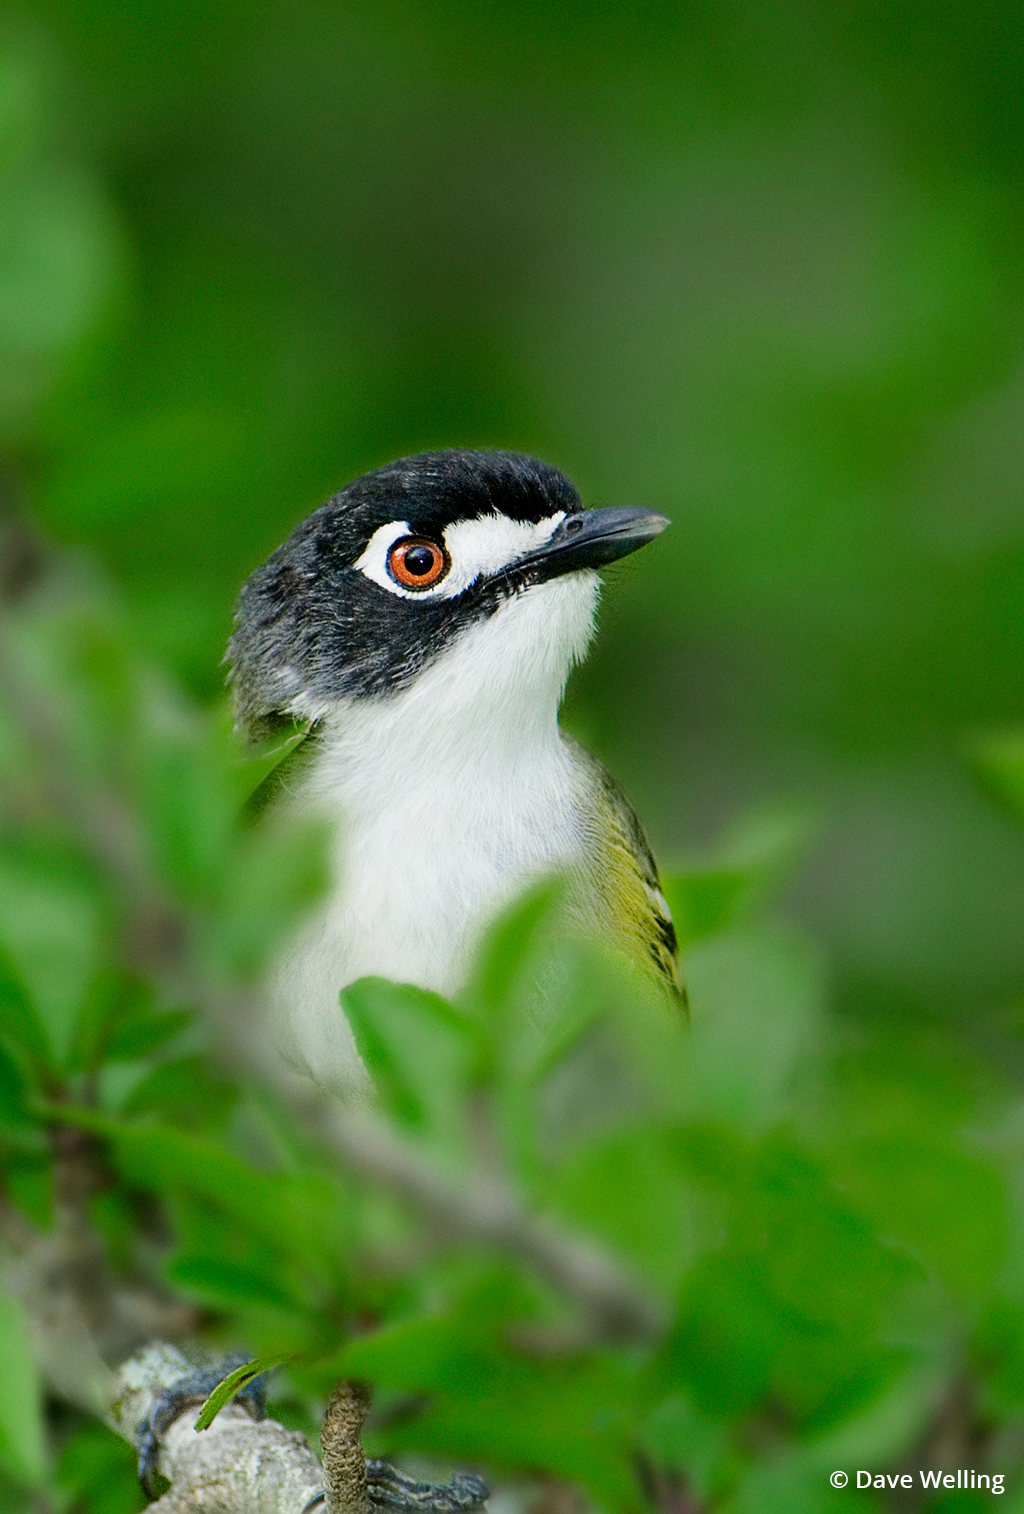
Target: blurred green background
756, 263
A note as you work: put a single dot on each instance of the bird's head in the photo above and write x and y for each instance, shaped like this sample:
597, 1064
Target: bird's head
412, 565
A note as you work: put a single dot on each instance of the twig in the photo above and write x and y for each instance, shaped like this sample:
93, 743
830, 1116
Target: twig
490, 1211
342, 1451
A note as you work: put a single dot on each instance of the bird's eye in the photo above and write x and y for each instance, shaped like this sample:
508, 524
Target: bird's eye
416, 563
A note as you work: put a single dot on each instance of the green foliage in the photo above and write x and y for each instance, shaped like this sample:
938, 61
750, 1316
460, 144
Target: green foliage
825, 1214
98, 1473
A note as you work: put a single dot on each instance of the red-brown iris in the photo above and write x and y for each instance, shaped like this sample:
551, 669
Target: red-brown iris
416, 562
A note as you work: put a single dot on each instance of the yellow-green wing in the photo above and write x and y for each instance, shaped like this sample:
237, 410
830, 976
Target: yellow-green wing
624, 901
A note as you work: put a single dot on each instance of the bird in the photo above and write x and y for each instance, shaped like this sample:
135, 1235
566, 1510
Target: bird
419, 628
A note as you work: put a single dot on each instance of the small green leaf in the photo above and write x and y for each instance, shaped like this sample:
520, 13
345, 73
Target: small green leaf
573, 1419
727, 1339
28, 1179
279, 872
119, 1022
418, 1048
14, 1113
145, 1031
22, 1441
625, 1189
748, 865
222, 1284
188, 810
678, 1438
758, 1006
507, 949
268, 1207
52, 924
234, 1383
998, 1350
20, 1021
186, 1091
788, 1483
484, 1400
946, 1205
272, 766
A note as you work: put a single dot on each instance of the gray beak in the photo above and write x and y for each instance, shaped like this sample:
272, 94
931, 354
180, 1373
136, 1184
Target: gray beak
592, 538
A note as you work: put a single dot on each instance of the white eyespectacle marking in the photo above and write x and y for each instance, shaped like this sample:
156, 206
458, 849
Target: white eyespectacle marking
477, 547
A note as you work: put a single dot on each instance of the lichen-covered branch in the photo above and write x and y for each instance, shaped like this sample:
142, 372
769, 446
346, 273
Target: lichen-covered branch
238, 1466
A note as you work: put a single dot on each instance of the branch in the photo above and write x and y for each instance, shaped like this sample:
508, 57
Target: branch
238, 1466
488, 1210
245, 1464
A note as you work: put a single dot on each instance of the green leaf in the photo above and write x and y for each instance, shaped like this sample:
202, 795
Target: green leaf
486, 1401
186, 1091
281, 1214
28, 1178
679, 1438
628, 1190
418, 1049
793, 1304
705, 902
52, 923
14, 1088
272, 766
749, 864
439, 1349
1000, 762
222, 1284
234, 1383
571, 1419
22, 1436
757, 1001
998, 1350
822, 1260
15, 1498
506, 954
727, 1340
788, 1483
119, 1022
894, 1419
946, 1205
20, 1021
279, 870
190, 817
277, 1300
146, 1030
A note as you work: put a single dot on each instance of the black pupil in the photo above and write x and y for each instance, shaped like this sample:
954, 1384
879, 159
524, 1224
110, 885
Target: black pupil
418, 561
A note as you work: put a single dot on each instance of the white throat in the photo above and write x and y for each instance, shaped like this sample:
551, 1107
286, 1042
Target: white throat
448, 798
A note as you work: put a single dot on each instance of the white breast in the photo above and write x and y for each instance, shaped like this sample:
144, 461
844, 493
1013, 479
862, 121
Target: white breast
447, 798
